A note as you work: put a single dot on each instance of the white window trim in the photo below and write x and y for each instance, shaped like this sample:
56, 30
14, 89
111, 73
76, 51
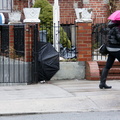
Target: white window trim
7, 10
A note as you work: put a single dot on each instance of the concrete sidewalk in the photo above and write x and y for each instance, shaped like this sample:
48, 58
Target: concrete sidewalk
59, 96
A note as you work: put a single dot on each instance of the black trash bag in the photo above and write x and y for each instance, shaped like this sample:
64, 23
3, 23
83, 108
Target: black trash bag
48, 61
67, 53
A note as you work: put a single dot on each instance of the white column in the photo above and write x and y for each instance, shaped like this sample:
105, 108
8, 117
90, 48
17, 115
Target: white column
56, 25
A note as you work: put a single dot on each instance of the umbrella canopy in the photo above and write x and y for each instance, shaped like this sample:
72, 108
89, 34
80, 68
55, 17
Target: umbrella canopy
48, 61
115, 15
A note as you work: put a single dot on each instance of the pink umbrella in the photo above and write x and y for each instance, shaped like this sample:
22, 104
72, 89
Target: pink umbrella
115, 15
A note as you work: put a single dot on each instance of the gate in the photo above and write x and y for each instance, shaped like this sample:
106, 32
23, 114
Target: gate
14, 66
4, 33
35, 38
99, 35
19, 52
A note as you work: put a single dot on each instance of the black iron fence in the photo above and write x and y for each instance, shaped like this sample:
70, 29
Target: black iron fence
13, 68
13, 65
99, 36
19, 39
67, 39
4, 33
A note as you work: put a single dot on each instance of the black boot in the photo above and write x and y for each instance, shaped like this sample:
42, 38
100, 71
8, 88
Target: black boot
103, 79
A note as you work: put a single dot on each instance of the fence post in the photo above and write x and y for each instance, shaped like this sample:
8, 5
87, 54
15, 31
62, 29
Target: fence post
84, 41
28, 44
29, 39
11, 41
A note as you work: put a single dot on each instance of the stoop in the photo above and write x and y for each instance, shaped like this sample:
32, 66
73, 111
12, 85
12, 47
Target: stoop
94, 69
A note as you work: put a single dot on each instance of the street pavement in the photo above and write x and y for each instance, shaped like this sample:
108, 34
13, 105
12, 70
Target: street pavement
59, 96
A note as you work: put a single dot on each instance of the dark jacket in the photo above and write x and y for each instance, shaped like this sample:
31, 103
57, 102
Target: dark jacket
114, 35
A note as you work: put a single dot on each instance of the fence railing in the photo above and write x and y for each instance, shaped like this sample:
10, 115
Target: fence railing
12, 65
67, 41
18, 51
99, 35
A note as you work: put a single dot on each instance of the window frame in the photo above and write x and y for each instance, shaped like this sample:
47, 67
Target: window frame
9, 7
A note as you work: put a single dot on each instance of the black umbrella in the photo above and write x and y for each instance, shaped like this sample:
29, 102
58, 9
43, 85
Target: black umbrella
48, 61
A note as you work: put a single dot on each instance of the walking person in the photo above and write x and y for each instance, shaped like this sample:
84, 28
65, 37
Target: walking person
113, 47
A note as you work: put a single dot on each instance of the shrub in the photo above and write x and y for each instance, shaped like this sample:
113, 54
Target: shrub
46, 17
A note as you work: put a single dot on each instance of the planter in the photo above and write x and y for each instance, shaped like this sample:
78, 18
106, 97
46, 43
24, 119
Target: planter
14, 17
83, 14
31, 15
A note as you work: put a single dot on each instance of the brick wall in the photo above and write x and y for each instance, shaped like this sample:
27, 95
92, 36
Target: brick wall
67, 12
92, 70
100, 10
28, 43
84, 43
118, 4
29, 37
19, 5
11, 41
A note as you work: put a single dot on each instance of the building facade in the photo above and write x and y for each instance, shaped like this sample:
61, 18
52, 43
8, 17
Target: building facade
101, 9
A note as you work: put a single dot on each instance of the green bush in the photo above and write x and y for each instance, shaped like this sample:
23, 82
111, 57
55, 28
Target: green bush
46, 17
46, 13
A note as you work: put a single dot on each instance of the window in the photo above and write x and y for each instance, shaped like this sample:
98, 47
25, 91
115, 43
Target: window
6, 5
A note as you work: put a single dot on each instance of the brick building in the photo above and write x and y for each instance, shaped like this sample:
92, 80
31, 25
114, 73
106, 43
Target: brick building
100, 8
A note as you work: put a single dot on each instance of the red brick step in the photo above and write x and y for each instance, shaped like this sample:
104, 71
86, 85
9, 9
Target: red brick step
114, 73
94, 69
113, 78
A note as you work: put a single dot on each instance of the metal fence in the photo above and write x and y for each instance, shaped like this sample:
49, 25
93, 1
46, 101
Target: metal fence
19, 39
12, 65
99, 35
67, 33
4, 33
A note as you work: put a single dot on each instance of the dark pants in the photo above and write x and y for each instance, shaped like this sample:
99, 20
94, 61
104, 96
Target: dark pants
111, 58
